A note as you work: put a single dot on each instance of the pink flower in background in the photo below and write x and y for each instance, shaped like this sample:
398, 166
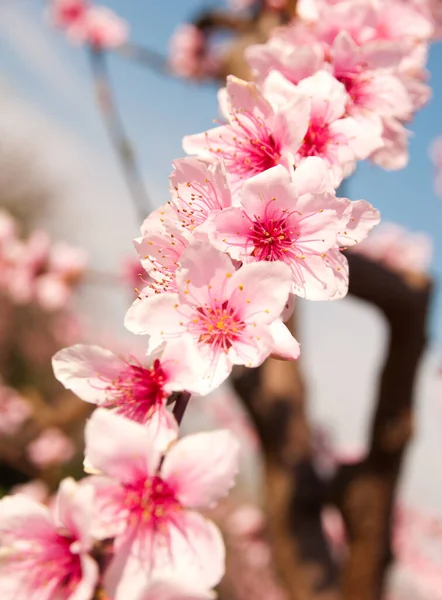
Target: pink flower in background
148, 502
231, 317
100, 27
44, 555
135, 390
258, 136
436, 157
51, 448
398, 249
338, 139
186, 50
198, 189
64, 13
296, 220
14, 411
246, 520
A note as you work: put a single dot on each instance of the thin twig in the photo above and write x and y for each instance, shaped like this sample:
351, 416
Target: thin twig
180, 406
117, 134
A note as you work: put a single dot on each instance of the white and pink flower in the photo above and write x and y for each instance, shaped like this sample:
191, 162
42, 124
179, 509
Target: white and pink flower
258, 135
198, 189
44, 553
231, 317
296, 220
331, 134
133, 389
148, 501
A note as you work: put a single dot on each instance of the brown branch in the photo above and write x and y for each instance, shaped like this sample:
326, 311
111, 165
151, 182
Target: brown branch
274, 396
365, 492
117, 134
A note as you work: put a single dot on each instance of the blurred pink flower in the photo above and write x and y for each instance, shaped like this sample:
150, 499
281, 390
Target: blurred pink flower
398, 249
63, 13
100, 28
51, 448
44, 552
245, 521
14, 410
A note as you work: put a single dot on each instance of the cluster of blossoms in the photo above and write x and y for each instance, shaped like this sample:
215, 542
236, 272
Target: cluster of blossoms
253, 221
376, 49
85, 23
35, 269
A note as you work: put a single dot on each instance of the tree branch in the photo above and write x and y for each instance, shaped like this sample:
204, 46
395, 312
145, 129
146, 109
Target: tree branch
117, 134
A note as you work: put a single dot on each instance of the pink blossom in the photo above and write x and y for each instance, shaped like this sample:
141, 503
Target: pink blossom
64, 13
369, 79
186, 50
198, 189
148, 502
44, 554
191, 55
100, 27
245, 521
52, 447
296, 220
231, 317
295, 61
14, 411
257, 137
135, 390
338, 139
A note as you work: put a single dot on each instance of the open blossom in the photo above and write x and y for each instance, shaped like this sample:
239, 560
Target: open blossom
198, 189
148, 501
258, 135
296, 220
231, 317
332, 135
44, 554
14, 410
52, 447
135, 390
377, 89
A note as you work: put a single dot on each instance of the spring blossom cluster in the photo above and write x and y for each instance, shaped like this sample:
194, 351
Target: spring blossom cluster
253, 221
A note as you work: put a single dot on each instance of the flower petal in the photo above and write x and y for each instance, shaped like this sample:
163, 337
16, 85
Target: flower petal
124, 449
201, 468
86, 370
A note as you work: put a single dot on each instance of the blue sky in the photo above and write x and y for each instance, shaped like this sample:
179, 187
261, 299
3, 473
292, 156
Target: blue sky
54, 78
